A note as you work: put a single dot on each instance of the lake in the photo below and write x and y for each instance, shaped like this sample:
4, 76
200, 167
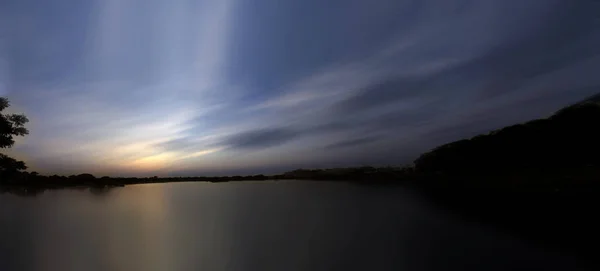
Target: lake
253, 226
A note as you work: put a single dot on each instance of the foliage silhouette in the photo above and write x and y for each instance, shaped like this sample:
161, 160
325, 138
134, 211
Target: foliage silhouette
567, 140
11, 125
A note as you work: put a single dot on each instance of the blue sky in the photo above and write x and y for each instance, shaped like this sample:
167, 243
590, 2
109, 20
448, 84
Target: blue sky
207, 87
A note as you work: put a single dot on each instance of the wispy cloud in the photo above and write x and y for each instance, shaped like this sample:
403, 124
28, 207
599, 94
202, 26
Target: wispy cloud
352, 143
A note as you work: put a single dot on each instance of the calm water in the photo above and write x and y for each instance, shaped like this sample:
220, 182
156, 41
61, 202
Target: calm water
251, 226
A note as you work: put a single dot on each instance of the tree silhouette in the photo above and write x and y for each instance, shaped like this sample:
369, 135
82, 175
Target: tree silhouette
11, 125
567, 139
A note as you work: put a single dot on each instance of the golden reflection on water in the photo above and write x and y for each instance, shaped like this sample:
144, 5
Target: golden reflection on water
117, 231
138, 227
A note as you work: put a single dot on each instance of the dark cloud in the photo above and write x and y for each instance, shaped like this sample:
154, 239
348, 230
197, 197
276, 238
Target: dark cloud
380, 94
396, 120
332, 126
352, 142
261, 138
405, 119
176, 144
567, 35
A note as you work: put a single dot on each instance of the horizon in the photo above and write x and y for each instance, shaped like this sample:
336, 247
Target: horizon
189, 88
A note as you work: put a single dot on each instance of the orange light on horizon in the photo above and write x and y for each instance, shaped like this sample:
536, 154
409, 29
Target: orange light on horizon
152, 162
163, 160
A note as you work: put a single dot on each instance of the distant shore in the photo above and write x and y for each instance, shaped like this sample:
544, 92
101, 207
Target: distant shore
550, 181
36, 183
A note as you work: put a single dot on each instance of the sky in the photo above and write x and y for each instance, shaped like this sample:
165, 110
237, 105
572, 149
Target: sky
224, 87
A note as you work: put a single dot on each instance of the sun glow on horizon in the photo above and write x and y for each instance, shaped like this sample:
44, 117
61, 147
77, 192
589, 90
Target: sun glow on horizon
164, 160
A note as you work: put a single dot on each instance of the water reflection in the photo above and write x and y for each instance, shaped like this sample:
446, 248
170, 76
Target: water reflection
250, 226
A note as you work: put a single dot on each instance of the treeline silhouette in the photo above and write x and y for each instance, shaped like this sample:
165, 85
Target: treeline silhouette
568, 139
31, 184
538, 180
559, 152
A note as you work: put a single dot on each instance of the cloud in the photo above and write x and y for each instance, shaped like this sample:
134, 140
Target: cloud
199, 153
379, 94
352, 142
370, 94
177, 144
261, 138
407, 97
